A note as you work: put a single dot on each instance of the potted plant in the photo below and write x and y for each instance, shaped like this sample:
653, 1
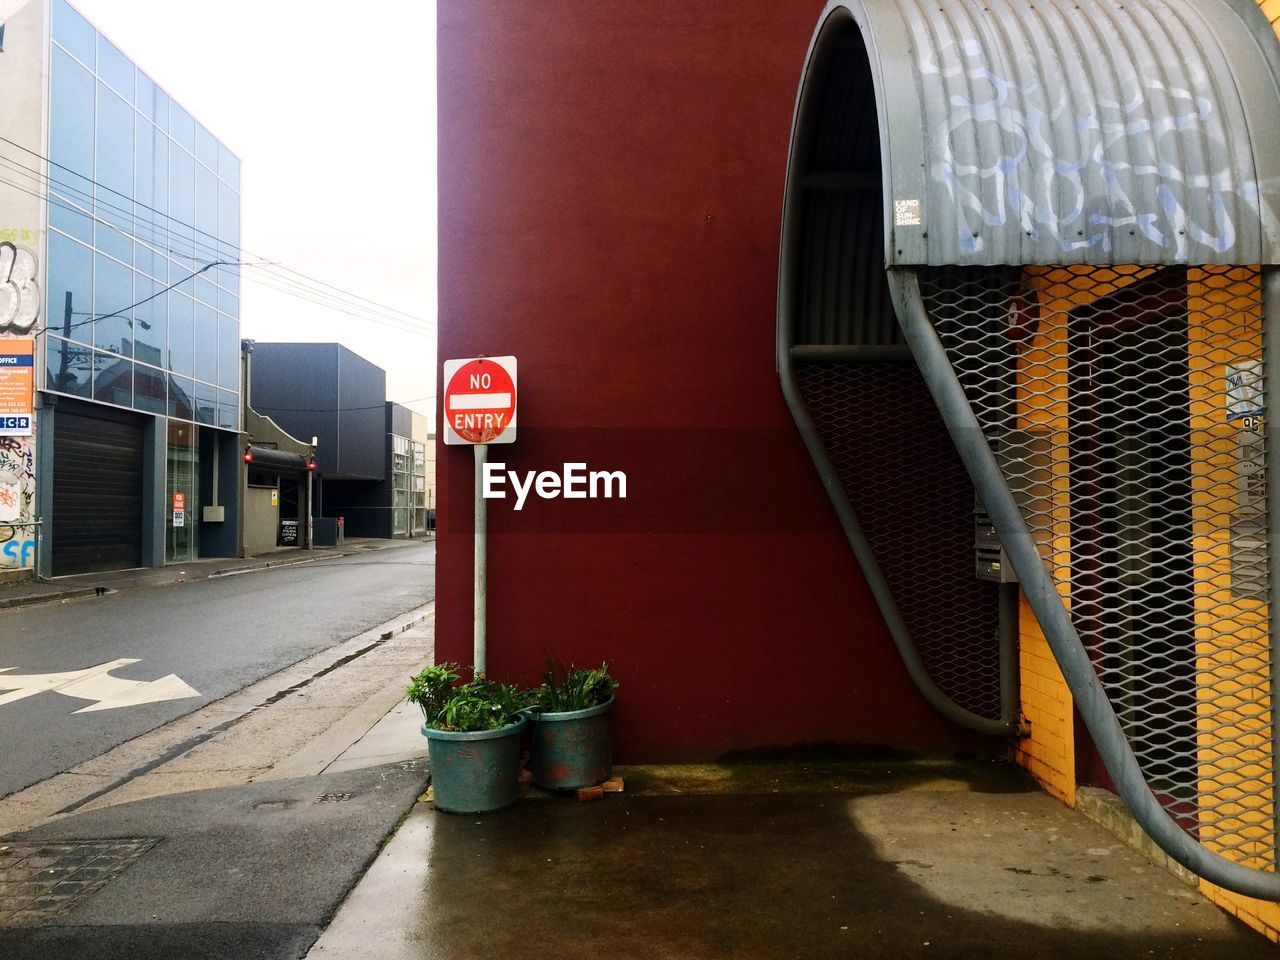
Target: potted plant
473, 733
572, 742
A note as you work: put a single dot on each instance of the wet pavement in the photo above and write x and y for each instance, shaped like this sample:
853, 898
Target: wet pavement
883, 859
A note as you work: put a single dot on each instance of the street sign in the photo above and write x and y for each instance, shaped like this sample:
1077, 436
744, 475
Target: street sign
17, 384
480, 400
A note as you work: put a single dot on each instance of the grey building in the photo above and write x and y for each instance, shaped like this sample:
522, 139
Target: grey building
134, 237
371, 455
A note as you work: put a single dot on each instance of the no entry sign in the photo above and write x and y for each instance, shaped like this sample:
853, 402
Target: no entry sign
480, 400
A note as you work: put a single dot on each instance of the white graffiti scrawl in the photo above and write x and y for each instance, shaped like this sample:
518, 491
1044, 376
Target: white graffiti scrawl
1074, 167
19, 292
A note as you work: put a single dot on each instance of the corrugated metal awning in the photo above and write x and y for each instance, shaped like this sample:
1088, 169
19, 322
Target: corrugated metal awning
1056, 131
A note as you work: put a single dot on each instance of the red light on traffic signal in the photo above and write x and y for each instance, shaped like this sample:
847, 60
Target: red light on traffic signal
248, 456
311, 463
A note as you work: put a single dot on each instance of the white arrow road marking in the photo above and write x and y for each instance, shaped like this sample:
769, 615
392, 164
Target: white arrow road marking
97, 684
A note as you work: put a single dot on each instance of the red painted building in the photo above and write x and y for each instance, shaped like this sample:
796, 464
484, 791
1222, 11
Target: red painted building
611, 182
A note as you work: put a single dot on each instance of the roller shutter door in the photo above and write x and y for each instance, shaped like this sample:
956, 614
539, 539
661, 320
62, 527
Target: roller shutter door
97, 495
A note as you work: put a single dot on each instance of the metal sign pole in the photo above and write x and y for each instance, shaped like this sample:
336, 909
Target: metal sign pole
481, 525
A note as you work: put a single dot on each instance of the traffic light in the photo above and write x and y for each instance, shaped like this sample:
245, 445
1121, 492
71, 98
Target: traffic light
248, 454
311, 462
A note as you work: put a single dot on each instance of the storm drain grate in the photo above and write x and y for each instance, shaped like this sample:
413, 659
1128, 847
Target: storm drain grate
40, 881
332, 797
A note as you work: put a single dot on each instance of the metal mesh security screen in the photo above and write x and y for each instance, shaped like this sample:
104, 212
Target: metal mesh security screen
915, 503
1124, 405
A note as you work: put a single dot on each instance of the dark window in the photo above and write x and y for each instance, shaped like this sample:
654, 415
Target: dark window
148, 389
181, 398
70, 367
112, 379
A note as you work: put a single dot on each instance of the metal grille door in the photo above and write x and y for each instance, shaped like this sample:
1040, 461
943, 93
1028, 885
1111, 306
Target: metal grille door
1124, 409
915, 504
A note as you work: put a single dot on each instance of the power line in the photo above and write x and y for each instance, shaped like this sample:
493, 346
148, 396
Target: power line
289, 287
268, 409
392, 314
108, 316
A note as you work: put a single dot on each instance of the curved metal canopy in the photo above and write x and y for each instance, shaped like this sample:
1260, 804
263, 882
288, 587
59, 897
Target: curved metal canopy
1065, 131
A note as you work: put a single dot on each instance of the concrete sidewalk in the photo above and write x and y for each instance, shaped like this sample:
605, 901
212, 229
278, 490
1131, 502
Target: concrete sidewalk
878, 859
24, 592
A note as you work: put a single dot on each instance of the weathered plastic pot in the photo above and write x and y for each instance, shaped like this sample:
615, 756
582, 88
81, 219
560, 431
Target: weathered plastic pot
475, 772
573, 748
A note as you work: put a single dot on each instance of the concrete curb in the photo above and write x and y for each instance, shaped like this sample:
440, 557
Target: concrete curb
9, 602
74, 593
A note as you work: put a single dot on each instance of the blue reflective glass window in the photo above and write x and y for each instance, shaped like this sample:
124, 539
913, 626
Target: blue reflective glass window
182, 269
228, 410
182, 398
112, 379
229, 166
229, 303
114, 153
150, 179
206, 206
115, 68
149, 389
112, 305
206, 292
229, 216
75, 33
206, 343
145, 98
113, 232
113, 169
182, 333
70, 367
228, 353
206, 404
71, 102
206, 148
182, 186
182, 127
67, 215
229, 279
70, 286
150, 321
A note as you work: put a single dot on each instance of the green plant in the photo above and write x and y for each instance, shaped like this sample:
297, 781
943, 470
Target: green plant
573, 688
480, 704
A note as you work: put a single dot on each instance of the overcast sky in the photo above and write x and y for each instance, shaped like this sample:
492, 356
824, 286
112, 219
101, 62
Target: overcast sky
331, 108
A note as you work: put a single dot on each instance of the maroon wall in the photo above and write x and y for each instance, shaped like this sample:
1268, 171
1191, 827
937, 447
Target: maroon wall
610, 192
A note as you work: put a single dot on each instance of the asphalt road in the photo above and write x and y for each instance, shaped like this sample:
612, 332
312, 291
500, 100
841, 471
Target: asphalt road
217, 635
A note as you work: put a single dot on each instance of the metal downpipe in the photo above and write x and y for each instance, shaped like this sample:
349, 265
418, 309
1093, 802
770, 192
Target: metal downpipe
1042, 595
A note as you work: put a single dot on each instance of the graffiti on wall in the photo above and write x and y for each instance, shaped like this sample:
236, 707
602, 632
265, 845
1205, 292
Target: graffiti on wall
1119, 149
19, 292
17, 501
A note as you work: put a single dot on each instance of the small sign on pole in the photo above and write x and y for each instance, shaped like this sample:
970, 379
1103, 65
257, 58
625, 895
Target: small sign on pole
479, 409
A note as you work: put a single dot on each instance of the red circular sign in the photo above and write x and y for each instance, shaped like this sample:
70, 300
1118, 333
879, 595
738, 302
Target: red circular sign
480, 401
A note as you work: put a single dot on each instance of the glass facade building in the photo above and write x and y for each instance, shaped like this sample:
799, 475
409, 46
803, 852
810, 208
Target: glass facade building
143, 297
